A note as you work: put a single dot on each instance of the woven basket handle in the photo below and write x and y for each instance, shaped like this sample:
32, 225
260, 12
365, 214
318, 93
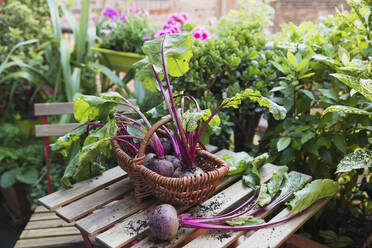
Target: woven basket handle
149, 134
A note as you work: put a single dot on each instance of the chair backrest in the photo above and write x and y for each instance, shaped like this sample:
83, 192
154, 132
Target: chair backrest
49, 109
47, 130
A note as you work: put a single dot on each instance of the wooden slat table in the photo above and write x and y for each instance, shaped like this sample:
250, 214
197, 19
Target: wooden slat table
104, 209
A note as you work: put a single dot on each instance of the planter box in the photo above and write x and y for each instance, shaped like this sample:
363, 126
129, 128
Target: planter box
118, 61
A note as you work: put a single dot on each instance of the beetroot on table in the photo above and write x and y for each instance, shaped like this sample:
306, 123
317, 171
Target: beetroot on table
164, 222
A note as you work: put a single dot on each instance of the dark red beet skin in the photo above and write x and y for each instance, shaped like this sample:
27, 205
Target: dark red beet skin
149, 157
161, 166
174, 160
163, 222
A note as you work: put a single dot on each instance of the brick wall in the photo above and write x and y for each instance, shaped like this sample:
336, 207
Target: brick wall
297, 11
201, 11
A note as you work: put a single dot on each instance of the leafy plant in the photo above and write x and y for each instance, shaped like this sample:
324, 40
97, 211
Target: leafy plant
20, 159
327, 120
104, 123
125, 32
20, 21
289, 190
232, 59
187, 128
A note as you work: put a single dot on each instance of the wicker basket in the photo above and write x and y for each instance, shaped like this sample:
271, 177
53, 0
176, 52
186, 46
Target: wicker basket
187, 190
129, 165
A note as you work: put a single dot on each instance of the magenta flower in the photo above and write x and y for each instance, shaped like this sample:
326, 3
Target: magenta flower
122, 17
200, 33
110, 12
159, 33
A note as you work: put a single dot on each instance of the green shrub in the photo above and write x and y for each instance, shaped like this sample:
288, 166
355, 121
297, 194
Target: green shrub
232, 60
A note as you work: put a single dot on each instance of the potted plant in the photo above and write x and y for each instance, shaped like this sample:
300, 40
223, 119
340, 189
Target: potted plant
158, 166
122, 36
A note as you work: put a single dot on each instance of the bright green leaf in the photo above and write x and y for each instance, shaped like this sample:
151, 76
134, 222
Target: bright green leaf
292, 59
28, 175
237, 162
283, 143
312, 192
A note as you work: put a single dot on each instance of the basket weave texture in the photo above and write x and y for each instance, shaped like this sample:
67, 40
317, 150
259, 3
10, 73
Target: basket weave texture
186, 190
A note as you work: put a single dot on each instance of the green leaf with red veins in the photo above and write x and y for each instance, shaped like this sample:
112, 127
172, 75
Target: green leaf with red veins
177, 51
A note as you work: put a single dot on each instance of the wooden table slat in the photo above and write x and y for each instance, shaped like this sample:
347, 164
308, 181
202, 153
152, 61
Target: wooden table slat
44, 216
85, 205
41, 224
112, 214
65, 241
274, 236
216, 205
214, 238
81, 189
126, 231
41, 209
49, 232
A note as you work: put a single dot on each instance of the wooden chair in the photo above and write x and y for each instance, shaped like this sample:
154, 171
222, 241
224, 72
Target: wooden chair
44, 228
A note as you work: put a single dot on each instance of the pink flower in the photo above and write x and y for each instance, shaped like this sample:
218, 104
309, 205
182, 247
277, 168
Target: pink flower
200, 33
122, 17
110, 12
159, 33
132, 11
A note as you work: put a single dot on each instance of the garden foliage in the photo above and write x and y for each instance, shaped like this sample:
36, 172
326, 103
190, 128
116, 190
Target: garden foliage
233, 59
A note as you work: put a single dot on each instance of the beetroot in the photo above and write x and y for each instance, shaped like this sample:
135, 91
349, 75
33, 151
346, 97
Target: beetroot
161, 166
180, 172
174, 160
163, 222
148, 158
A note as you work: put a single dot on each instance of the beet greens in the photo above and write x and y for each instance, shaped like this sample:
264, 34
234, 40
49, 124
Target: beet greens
187, 126
101, 122
283, 188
